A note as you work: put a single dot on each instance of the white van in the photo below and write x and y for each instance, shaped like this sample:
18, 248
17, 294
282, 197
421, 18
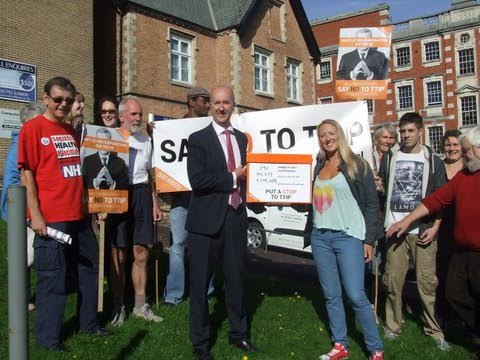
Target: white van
280, 226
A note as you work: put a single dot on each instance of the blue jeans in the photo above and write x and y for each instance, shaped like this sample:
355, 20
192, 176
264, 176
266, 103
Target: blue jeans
175, 285
339, 260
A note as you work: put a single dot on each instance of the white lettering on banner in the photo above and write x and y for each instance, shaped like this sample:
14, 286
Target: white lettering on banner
65, 146
71, 170
289, 130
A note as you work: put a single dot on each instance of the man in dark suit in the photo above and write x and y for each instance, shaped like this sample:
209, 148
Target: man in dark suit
217, 222
104, 169
363, 63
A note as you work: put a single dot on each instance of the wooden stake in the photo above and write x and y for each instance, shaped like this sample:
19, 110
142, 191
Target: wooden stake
101, 261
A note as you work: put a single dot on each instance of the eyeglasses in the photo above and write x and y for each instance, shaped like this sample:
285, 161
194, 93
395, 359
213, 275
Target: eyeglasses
465, 150
109, 111
59, 100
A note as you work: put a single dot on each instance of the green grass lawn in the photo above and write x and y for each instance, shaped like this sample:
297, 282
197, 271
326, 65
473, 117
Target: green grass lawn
288, 321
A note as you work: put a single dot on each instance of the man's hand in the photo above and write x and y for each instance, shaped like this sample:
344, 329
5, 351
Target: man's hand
104, 175
399, 228
157, 213
367, 252
427, 236
101, 217
366, 71
241, 172
38, 225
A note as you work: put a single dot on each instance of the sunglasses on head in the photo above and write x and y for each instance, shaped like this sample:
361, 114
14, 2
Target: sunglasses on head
109, 111
59, 100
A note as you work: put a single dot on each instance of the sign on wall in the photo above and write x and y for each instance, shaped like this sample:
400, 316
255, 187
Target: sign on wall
9, 121
17, 81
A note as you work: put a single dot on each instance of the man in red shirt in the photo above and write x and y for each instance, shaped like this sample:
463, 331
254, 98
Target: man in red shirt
49, 162
463, 191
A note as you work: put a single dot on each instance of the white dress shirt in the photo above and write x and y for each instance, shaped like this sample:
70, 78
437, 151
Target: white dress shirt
219, 130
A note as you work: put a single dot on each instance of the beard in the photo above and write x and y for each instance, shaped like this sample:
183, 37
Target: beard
134, 129
473, 165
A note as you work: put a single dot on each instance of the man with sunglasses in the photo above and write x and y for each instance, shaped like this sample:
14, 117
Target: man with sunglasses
462, 192
49, 162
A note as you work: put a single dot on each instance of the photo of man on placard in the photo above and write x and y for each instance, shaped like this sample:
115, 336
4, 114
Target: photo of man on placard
362, 63
104, 169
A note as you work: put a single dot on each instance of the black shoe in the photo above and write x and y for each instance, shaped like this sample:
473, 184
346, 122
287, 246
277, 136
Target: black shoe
99, 332
169, 304
199, 354
60, 347
244, 345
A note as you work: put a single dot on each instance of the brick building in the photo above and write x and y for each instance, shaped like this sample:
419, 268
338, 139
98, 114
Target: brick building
264, 50
433, 66
56, 45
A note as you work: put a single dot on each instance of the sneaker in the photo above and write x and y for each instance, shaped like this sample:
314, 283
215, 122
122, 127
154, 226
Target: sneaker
442, 344
146, 313
338, 352
118, 316
389, 334
377, 355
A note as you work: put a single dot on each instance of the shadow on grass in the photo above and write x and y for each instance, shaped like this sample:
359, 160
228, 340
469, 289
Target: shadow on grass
129, 348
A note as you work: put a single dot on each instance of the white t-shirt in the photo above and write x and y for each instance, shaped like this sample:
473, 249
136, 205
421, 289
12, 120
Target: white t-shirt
140, 158
406, 188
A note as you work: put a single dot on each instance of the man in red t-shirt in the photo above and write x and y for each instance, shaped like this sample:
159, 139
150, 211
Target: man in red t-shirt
49, 162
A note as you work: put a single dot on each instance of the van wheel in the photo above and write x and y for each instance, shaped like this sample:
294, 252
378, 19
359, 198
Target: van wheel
255, 235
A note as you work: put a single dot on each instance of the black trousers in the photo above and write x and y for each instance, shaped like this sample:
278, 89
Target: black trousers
205, 251
463, 287
52, 261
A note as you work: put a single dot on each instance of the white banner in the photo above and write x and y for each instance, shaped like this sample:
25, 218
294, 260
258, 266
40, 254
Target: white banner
289, 130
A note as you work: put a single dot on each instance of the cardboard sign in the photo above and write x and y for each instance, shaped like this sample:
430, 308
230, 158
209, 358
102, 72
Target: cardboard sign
105, 157
279, 178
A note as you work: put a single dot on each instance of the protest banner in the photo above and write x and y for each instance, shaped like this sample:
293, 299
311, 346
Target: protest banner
362, 63
105, 157
281, 131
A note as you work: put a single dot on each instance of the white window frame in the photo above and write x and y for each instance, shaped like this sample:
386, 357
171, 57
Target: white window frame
324, 80
433, 109
458, 61
399, 84
460, 112
459, 46
402, 67
265, 71
188, 55
427, 137
330, 98
296, 78
436, 62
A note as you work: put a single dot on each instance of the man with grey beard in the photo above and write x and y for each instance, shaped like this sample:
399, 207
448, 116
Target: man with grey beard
136, 231
463, 192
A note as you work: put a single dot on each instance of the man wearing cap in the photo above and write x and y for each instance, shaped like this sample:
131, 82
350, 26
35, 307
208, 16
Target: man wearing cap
198, 106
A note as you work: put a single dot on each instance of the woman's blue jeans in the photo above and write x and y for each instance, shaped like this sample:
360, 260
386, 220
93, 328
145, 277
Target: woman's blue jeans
339, 260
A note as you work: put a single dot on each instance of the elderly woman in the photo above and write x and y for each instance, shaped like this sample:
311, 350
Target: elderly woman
462, 192
343, 226
453, 164
383, 140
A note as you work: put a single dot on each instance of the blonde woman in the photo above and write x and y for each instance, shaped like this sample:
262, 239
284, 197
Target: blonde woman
343, 226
